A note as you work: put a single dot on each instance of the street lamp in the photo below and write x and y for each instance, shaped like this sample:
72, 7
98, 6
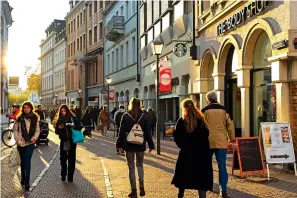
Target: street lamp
79, 93
157, 47
108, 81
56, 95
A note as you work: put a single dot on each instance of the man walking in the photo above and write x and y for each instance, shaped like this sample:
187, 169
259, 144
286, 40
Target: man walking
220, 126
117, 118
40, 112
152, 119
95, 114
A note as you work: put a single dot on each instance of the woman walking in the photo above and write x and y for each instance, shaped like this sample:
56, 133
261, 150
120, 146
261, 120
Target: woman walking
104, 120
133, 116
26, 131
65, 120
194, 166
87, 122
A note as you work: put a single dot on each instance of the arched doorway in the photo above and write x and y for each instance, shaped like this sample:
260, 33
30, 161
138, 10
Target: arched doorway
117, 99
263, 93
126, 98
136, 93
208, 69
145, 97
232, 94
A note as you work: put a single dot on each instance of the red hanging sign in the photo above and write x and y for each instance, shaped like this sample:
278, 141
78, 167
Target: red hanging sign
165, 76
111, 93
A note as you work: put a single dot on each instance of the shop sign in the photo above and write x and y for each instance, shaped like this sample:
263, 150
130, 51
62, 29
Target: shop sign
277, 141
180, 49
279, 45
248, 11
165, 76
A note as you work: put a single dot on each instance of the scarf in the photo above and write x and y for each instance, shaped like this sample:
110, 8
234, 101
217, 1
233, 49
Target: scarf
27, 135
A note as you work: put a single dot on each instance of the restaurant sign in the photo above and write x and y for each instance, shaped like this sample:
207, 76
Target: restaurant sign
248, 11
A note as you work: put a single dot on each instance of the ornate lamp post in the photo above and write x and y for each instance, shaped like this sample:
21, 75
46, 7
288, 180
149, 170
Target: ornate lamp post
108, 81
157, 47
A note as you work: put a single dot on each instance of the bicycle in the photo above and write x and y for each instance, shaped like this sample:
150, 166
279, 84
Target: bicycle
8, 136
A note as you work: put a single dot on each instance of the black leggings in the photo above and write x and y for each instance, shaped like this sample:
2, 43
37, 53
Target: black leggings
181, 191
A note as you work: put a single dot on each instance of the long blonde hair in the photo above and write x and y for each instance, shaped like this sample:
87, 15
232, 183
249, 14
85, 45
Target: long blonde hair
134, 107
190, 113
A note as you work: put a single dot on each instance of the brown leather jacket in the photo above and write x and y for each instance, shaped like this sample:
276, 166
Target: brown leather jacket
220, 125
103, 118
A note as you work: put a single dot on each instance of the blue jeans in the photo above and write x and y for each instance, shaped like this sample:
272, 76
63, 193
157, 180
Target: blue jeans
26, 153
221, 155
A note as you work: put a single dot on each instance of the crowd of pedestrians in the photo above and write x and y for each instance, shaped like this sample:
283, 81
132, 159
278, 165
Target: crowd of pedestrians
198, 135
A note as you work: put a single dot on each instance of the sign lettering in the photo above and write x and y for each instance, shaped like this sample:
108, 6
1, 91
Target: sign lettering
248, 11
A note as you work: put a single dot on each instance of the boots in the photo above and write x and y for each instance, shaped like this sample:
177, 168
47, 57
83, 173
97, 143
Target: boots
133, 194
27, 186
142, 192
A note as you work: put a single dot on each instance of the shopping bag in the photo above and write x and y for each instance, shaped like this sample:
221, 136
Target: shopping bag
77, 136
14, 158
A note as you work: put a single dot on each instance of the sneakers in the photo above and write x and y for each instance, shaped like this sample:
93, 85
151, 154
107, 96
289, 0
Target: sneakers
142, 192
223, 194
133, 194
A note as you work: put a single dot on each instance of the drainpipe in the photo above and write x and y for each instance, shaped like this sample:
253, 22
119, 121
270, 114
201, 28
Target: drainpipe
193, 48
138, 44
86, 62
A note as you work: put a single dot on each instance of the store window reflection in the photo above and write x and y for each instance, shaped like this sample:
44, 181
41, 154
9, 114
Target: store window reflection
264, 94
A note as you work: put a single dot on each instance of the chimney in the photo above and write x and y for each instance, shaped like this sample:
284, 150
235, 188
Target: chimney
71, 4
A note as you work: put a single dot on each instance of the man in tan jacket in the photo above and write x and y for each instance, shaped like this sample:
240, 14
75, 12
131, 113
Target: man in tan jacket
221, 129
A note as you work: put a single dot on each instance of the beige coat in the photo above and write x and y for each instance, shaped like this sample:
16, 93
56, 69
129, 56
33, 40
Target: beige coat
220, 126
18, 133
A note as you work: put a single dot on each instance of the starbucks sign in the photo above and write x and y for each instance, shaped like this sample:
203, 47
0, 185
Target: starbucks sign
180, 49
248, 11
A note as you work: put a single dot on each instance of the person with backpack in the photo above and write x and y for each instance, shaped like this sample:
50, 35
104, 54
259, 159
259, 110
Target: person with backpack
117, 118
134, 133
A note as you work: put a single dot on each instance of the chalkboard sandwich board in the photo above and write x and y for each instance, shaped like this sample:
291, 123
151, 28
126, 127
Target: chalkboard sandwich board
248, 157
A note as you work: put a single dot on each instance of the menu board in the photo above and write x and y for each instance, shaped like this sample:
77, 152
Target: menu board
277, 141
247, 157
250, 154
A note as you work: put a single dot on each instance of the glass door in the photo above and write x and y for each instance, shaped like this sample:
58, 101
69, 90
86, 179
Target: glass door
264, 100
233, 104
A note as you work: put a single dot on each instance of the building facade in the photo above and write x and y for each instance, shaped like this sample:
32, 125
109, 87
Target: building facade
50, 93
120, 51
247, 54
59, 67
84, 68
6, 22
171, 22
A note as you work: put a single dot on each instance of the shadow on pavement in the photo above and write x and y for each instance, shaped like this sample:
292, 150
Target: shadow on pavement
10, 177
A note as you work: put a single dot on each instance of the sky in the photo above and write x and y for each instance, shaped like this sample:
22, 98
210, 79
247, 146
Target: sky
31, 18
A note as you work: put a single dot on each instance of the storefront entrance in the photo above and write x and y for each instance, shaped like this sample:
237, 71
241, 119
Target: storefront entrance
232, 92
263, 92
233, 104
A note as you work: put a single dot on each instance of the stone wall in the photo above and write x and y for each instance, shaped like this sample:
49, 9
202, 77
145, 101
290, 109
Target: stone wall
293, 111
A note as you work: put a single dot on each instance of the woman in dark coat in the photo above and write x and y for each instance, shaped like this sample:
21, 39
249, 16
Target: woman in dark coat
66, 120
194, 164
87, 122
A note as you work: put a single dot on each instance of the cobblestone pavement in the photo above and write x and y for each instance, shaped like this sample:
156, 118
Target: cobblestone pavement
10, 177
100, 172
